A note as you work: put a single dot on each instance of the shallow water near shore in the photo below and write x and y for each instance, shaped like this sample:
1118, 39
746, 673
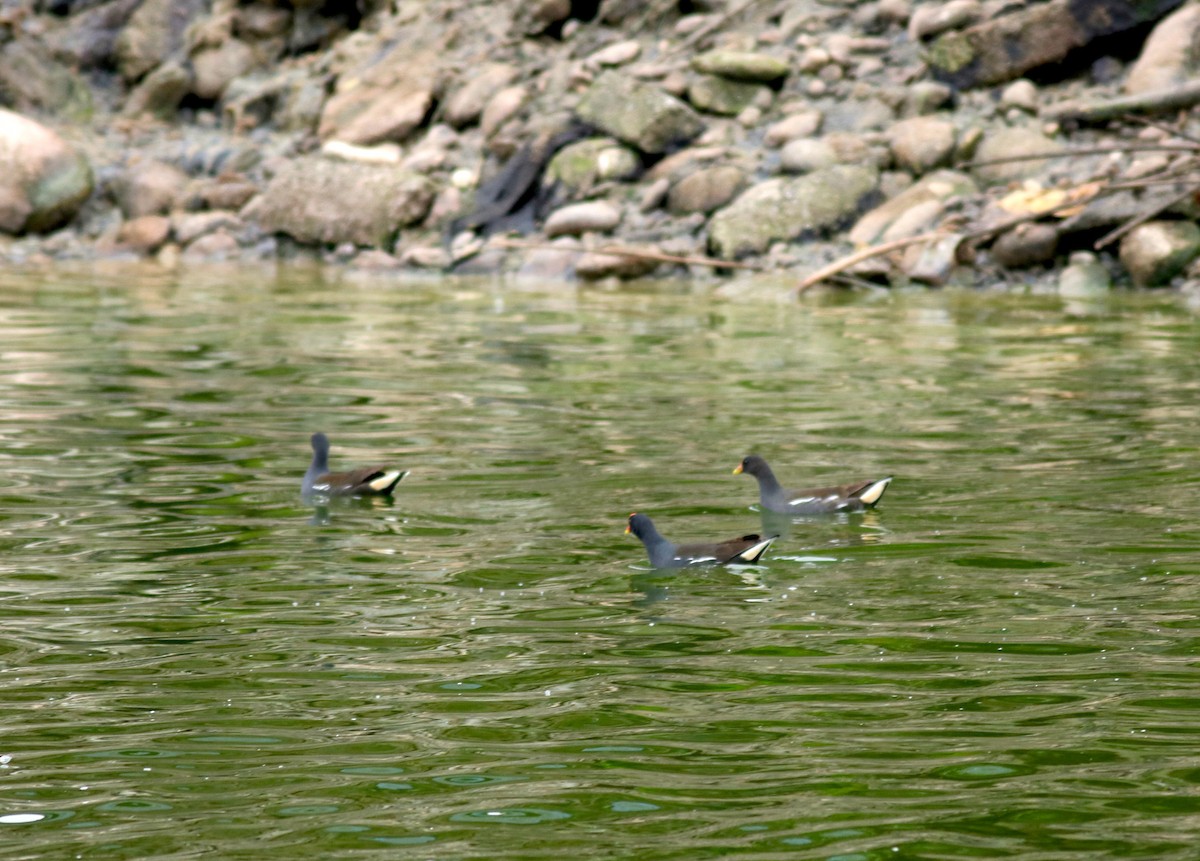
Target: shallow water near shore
1000, 661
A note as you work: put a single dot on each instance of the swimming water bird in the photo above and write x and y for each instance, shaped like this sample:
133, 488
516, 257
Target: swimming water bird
371, 481
664, 554
856, 496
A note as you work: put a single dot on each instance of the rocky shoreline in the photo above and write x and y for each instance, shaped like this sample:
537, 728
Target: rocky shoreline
889, 141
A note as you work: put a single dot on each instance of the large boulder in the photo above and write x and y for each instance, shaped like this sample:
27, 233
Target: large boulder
1169, 56
43, 180
580, 167
1155, 252
385, 104
1030, 35
786, 209
31, 79
155, 32
148, 187
641, 115
317, 200
706, 189
467, 103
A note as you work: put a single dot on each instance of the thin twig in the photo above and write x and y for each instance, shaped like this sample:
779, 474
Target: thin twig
1095, 150
1169, 99
1163, 127
1024, 217
838, 266
1113, 235
1148, 182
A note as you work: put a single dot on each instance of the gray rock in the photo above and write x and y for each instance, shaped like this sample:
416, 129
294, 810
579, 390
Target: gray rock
384, 98
1009, 142
160, 92
785, 209
1155, 252
931, 19
467, 103
263, 21
925, 97
616, 54
1084, 278
1025, 36
639, 114
149, 187
933, 262
741, 66
1021, 94
426, 257
537, 16
706, 189
213, 69
859, 115
228, 191
316, 200
375, 260
556, 263
716, 95
802, 124
43, 180
654, 195
895, 11
597, 216
155, 32
920, 144
501, 108
144, 235
935, 188
806, 155
374, 115
1025, 245
89, 37
213, 246
190, 226
32, 80
851, 148
592, 266
1168, 56
581, 166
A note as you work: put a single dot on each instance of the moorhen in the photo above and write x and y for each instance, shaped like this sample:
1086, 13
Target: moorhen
371, 481
856, 496
664, 554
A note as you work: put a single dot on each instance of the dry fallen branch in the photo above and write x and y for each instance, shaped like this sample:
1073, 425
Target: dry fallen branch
1113, 235
1157, 101
837, 267
1093, 150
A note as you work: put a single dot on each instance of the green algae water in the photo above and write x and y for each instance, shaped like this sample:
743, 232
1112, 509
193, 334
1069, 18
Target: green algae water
1002, 660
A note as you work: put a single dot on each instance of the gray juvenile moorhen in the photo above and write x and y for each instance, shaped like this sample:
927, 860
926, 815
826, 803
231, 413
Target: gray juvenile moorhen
664, 554
371, 481
856, 496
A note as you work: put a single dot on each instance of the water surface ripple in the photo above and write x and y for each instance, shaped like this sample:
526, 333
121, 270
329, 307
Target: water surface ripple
1001, 661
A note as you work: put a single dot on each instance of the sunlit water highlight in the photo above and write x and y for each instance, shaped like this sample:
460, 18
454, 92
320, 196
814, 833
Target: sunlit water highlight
1001, 661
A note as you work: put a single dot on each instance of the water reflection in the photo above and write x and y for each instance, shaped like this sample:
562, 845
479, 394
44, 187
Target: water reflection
1007, 639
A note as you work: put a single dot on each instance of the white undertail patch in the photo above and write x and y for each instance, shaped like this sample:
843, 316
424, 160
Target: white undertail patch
751, 554
873, 493
386, 480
